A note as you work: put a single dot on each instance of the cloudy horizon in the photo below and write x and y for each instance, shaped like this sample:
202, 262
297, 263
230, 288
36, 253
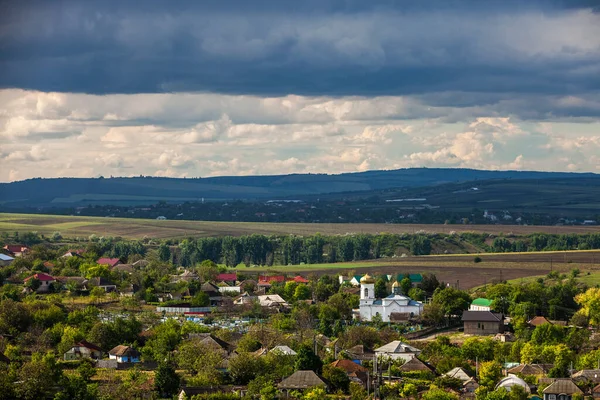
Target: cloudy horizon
90, 89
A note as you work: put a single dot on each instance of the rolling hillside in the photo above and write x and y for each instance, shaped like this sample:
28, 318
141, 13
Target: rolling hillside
72, 192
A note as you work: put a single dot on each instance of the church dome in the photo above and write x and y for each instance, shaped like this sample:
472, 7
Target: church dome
367, 279
395, 284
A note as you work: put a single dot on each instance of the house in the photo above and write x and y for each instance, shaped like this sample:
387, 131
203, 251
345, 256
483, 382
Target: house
513, 380
101, 282
228, 278
5, 260
16, 250
123, 268
45, 281
561, 389
111, 262
482, 322
470, 386
395, 303
416, 365
74, 253
272, 300
349, 366
596, 392
284, 350
124, 354
481, 304
355, 280
458, 373
83, 349
397, 350
415, 279
269, 280
300, 279
301, 380
359, 353
530, 369
186, 276
140, 264
213, 342
587, 375
537, 321
356, 373
210, 289
224, 288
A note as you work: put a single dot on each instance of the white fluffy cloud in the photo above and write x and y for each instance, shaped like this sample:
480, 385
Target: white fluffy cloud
50, 135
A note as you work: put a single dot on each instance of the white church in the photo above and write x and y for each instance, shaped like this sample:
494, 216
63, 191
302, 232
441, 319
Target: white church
394, 303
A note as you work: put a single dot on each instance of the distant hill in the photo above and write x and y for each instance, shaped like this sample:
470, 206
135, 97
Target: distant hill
72, 192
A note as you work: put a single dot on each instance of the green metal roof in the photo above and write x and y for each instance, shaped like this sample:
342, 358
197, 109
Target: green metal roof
482, 302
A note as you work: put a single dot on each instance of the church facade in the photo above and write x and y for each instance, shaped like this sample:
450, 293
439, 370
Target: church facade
394, 303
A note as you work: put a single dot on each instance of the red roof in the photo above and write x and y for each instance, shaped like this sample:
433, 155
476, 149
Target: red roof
227, 277
273, 278
299, 279
88, 345
108, 261
16, 248
41, 277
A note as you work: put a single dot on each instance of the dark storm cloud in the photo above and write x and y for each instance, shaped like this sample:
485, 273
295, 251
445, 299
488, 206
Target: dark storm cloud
308, 47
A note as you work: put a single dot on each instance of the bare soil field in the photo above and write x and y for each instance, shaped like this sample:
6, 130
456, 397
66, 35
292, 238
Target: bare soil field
72, 226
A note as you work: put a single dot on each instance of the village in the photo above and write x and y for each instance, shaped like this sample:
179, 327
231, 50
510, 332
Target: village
81, 325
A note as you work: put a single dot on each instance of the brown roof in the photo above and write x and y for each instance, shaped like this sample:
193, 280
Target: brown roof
414, 364
527, 369
587, 374
88, 345
539, 320
596, 389
348, 366
562, 385
301, 380
122, 350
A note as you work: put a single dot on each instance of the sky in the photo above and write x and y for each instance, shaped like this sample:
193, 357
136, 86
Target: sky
233, 87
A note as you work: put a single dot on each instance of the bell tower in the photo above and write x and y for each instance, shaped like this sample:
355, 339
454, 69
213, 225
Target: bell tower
367, 289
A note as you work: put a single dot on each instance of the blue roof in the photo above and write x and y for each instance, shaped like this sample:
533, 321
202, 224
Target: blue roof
377, 302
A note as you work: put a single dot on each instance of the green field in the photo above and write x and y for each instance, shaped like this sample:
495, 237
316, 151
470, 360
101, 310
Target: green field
593, 279
73, 226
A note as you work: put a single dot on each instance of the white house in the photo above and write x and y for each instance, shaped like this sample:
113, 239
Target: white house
5, 260
397, 350
394, 303
481, 304
124, 354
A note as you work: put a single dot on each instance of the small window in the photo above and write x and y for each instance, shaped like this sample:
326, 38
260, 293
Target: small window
478, 325
482, 326
366, 292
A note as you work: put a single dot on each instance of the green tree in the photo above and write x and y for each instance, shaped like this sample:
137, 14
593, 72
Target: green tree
381, 290
489, 373
244, 367
435, 393
302, 292
308, 360
452, 301
164, 252
420, 245
207, 270
201, 299
405, 285
590, 305
166, 380
337, 377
